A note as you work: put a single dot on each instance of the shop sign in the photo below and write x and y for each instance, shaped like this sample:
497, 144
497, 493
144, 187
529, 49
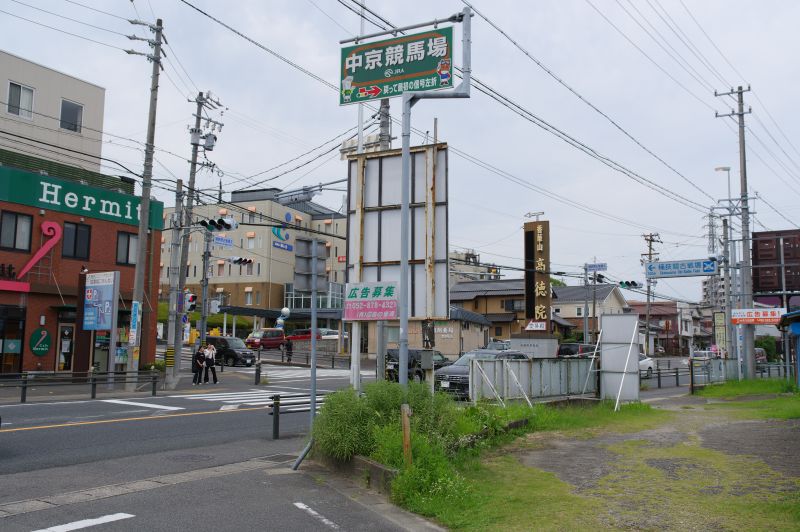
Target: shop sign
49, 229
12, 347
382, 69
536, 326
100, 301
40, 341
537, 275
134, 330
370, 301
50, 193
756, 316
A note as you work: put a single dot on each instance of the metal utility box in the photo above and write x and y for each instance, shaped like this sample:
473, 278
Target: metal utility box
426, 359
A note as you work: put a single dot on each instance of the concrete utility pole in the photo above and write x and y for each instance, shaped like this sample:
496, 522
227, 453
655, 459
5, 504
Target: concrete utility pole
172, 273
385, 137
746, 272
179, 311
729, 329
144, 207
650, 238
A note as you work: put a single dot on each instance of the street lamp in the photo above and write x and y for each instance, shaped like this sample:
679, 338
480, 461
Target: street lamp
728, 170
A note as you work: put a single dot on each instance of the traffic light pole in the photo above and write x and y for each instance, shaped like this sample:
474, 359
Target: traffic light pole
204, 285
585, 303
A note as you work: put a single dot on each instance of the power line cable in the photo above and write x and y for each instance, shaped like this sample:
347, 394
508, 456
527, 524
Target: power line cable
63, 31
653, 61
70, 19
96, 10
583, 99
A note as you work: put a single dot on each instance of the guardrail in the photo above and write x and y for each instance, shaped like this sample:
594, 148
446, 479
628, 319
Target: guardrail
303, 358
24, 381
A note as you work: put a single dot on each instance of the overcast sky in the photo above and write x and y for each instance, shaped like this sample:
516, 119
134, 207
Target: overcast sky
276, 112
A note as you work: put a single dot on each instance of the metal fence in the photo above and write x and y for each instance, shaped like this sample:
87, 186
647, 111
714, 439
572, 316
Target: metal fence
538, 378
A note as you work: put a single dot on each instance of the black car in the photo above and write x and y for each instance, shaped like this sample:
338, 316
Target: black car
575, 350
231, 351
415, 371
455, 377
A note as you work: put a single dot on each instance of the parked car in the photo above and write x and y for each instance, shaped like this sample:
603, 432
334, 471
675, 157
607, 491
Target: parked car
454, 378
415, 371
231, 351
501, 345
761, 355
646, 365
575, 350
268, 338
302, 334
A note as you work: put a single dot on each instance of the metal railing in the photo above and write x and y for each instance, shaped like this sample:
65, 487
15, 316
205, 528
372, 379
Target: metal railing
303, 358
107, 379
289, 404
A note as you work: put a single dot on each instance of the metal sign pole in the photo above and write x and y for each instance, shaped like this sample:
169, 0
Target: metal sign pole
409, 99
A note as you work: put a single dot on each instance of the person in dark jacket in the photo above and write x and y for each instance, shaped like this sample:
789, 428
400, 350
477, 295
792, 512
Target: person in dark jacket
198, 362
289, 350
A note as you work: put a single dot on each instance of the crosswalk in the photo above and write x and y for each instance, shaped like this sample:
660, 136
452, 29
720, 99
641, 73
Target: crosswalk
277, 373
291, 400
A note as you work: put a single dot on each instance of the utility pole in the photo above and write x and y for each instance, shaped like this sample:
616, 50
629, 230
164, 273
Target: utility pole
172, 273
746, 271
179, 311
144, 207
204, 285
385, 137
585, 303
729, 329
650, 238
594, 305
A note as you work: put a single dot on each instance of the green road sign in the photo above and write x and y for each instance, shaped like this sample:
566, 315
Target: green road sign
40, 341
383, 69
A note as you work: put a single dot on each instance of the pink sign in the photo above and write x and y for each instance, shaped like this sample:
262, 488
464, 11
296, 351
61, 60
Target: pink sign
362, 310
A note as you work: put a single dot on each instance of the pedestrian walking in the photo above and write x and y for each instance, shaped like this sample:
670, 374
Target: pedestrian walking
198, 362
289, 350
211, 361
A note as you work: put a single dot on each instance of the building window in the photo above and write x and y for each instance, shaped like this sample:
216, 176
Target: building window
76, 241
258, 269
251, 242
71, 116
557, 310
249, 269
15, 231
127, 247
220, 270
578, 311
194, 271
20, 100
229, 269
248, 298
258, 298
498, 331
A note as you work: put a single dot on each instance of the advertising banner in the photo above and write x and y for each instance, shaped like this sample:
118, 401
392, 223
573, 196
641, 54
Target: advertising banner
100, 301
756, 316
370, 301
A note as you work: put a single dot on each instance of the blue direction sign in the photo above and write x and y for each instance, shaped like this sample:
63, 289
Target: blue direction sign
597, 267
680, 268
223, 241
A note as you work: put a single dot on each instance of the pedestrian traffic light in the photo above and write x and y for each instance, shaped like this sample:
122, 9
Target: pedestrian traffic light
599, 278
629, 284
240, 260
220, 224
189, 301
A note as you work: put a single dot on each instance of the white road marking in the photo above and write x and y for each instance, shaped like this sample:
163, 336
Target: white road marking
229, 407
316, 515
86, 523
146, 405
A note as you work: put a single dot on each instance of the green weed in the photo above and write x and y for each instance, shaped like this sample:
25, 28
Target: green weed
732, 389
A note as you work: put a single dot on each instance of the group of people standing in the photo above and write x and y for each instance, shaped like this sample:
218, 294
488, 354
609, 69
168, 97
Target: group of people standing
203, 361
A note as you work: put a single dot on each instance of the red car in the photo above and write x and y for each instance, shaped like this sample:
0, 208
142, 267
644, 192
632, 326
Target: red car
266, 339
303, 334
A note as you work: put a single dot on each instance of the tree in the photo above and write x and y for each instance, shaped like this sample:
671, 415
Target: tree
557, 282
767, 343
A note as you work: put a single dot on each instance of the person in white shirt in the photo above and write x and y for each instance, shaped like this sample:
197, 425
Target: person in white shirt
211, 355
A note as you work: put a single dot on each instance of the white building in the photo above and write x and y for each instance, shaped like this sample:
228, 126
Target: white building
50, 107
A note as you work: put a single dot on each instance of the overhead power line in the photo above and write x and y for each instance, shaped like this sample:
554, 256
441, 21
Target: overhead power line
63, 31
583, 99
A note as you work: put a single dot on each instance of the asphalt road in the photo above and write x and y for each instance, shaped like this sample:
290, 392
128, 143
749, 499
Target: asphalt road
202, 458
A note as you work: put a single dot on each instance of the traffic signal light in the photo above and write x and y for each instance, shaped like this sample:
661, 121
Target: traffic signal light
599, 278
240, 260
305, 265
189, 301
629, 284
220, 224
213, 306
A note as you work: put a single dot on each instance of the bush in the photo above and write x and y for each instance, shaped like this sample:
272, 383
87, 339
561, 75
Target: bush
344, 426
159, 365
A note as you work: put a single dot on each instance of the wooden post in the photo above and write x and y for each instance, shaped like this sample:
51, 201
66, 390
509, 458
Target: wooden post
405, 413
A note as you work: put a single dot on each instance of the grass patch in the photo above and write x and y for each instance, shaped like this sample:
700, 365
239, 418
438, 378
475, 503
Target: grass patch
631, 417
784, 407
745, 387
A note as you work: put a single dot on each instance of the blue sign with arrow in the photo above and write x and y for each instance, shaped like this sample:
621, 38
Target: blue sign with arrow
681, 268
